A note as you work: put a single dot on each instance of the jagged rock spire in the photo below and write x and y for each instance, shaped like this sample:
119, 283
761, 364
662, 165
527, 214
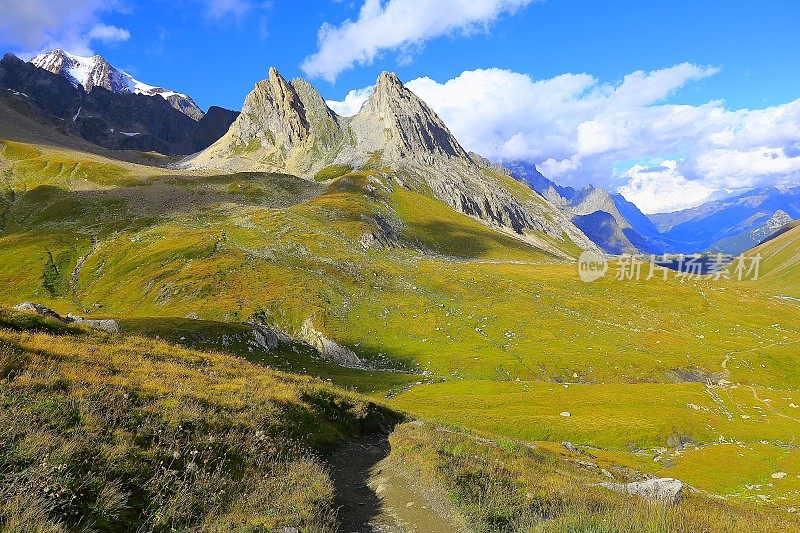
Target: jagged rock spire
281, 99
284, 126
412, 129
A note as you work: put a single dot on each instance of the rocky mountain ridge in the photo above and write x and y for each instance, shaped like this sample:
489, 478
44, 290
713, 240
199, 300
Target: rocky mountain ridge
287, 127
115, 120
96, 71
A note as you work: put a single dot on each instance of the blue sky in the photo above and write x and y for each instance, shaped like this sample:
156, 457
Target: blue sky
177, 43
742, 54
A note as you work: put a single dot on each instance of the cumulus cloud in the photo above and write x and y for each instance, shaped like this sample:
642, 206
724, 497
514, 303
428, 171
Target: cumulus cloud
352, 102
108, 34
621, 136
38, 25
401, 25
662, 188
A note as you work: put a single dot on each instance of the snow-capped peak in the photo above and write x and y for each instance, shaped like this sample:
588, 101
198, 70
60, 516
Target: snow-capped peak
91, 72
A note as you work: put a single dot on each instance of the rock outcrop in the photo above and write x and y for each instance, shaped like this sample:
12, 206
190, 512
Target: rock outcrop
665, 490
329, 349
383, 234
39, 309
107, 325
268, 338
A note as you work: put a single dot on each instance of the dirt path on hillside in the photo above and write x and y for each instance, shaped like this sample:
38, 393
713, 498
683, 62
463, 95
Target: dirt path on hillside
374, 499
76, 272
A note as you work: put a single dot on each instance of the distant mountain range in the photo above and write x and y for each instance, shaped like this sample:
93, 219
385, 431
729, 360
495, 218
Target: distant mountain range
101, 104
617, 226
734, 224
613, 223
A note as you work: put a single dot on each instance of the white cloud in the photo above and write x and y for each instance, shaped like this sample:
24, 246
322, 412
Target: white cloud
108, 34
352, 102
226, 9
622, 136
402, 25
663, 188
33, 26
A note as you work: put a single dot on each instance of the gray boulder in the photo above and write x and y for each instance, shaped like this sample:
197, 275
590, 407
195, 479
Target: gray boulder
268, 338
664, 490
107, 325
39, 309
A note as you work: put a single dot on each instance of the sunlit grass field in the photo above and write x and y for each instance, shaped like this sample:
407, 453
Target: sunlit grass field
511, 486
691, 379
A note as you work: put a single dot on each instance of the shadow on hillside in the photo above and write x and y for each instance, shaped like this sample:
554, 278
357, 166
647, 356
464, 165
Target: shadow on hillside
460, 241
160, 198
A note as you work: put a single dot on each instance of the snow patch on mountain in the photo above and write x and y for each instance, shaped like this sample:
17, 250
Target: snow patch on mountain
91, 72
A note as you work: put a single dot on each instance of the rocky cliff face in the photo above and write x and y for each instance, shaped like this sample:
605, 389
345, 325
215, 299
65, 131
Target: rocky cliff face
287, 127
91, 72
393, 120
116, 120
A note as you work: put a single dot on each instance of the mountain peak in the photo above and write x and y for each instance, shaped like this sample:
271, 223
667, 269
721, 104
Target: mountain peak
389, 87
282, 90
408, 126
96, 71
8, 56
274, 74
389, 79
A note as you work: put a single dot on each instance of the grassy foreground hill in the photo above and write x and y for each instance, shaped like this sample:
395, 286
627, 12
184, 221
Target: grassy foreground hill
108, 433
693, 379
780, 267
125, 433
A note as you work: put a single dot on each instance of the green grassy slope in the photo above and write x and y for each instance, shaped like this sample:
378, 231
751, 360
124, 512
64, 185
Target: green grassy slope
124, 434
509, 486
441, 296
726, 440
780, 264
